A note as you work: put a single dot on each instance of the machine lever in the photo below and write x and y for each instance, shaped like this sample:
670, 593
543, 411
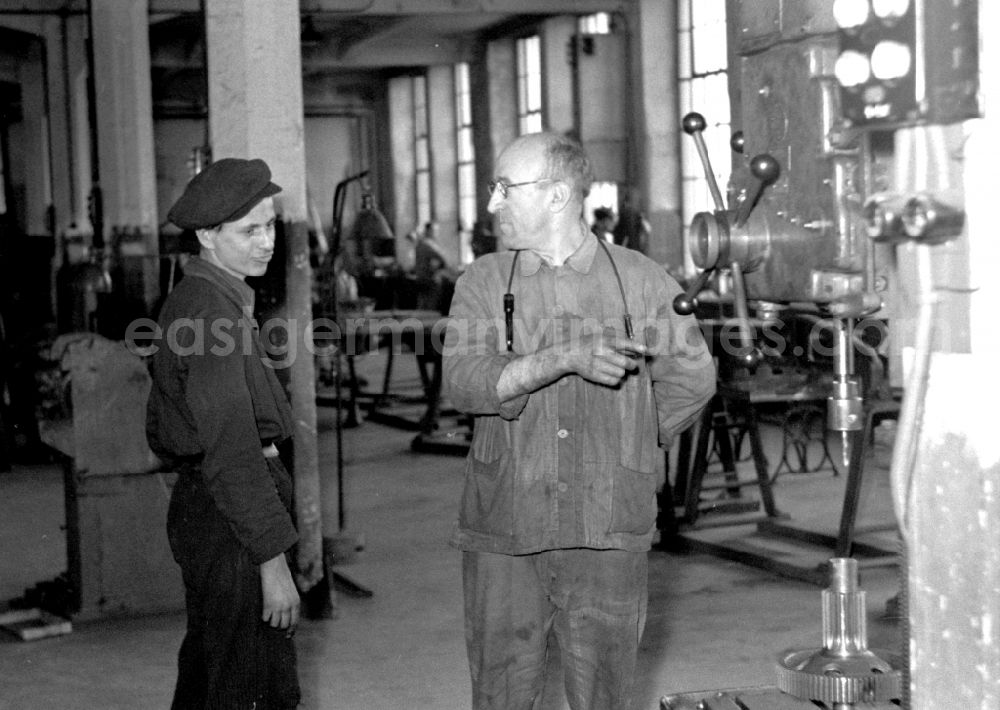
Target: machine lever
694, 125
748, 355
685, 302
766, 169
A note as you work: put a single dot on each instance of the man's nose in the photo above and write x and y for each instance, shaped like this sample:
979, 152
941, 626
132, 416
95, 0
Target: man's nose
268, 237
495, 199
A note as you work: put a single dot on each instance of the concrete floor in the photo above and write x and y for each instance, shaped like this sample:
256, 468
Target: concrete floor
712, 624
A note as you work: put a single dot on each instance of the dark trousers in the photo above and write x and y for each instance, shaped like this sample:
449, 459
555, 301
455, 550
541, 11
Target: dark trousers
592, 601
230, 658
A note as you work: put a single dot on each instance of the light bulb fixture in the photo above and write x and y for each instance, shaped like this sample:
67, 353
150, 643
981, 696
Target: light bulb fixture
891, 60
907, 62
850, 14
852, 69
890, 10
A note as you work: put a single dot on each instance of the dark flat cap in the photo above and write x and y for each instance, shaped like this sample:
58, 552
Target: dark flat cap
225, 191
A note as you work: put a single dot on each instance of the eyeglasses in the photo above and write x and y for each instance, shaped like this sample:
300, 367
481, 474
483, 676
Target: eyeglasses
503, 186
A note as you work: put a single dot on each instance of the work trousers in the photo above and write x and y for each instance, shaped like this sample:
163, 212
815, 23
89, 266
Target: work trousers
592, 601
230, 658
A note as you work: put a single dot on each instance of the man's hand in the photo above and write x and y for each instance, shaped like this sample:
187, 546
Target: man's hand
600, 358
281, 598
604, 359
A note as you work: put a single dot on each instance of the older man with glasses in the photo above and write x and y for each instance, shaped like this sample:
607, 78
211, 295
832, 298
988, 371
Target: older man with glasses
567, 351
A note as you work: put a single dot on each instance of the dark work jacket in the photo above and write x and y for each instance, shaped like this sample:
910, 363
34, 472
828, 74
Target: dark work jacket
214, 403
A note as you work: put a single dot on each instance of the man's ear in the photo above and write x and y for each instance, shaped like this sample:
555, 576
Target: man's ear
561, 195
206, 237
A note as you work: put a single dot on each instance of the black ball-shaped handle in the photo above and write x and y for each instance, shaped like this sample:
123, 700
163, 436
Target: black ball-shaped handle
693, 123
749, 358
737, 142
684, 304
765, 168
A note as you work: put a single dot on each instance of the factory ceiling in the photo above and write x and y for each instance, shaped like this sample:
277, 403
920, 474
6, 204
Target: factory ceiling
343, 34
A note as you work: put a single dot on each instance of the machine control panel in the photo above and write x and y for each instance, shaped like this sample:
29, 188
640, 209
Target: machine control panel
907, 62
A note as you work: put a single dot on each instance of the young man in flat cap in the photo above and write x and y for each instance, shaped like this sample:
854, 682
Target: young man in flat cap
216, 412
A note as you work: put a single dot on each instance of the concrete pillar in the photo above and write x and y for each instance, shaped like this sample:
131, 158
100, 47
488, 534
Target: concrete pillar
79, 95
557, 72
493, 79
950, 502
126, 158
444, 156
656, 125
501, 65
36, 164
124, 107
255, 111
482, 136
60, 121
401, 137
980, 171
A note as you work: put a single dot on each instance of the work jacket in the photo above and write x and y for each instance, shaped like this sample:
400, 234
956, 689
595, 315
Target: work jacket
215, 403
573, 464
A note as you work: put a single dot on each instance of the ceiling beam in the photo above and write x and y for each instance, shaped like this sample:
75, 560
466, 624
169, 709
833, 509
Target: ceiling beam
400, 55
459, 7
352, 7
404, 7
43, 7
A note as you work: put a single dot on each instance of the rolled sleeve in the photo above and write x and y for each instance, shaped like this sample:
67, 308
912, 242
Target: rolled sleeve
683, 372
472, 358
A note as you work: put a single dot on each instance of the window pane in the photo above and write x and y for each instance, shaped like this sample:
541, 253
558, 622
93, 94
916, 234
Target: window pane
709, 35
534, 92
423, 198
420, 153
597, 24
702, 68
529, 84
465, 151
419, 105
708, 12
463, 102
533, 55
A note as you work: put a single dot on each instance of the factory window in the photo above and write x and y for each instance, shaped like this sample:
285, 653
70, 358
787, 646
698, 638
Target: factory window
529, 85
597, 24
421, 150
466, 161
704, 87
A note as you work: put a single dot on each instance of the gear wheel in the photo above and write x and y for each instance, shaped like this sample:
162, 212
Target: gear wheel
844, 671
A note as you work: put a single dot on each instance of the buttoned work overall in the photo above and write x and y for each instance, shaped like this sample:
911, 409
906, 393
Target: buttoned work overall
559, 505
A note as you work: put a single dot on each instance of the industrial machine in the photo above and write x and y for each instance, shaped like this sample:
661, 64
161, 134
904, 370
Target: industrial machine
808, 230
791, 244
842, 674
868, 130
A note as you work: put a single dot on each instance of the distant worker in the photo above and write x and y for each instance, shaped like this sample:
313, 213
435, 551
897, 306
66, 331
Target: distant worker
604, 224
435, 276
216, 414
633, 230
483, 240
